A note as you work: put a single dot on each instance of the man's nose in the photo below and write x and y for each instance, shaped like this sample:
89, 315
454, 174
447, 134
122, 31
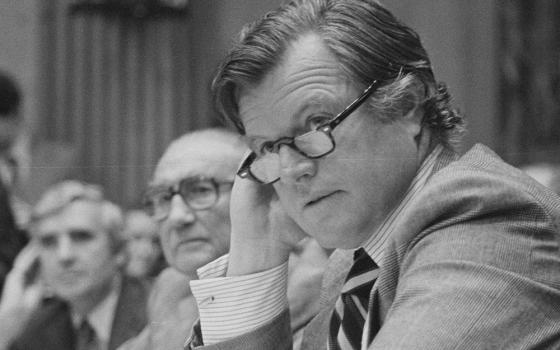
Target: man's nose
180, 212
65, 250
294, 166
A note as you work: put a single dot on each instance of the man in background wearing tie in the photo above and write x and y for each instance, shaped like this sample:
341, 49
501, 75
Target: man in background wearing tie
76, 254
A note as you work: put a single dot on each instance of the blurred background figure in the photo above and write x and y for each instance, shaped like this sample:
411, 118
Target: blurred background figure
145, 258
12, 239
189, 197
85, 302
547, 174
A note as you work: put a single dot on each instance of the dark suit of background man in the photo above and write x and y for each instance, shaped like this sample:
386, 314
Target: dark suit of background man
11, 238
76, 238
353, 143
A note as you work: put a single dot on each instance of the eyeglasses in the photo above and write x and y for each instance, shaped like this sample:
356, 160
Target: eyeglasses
265, 168
198, 192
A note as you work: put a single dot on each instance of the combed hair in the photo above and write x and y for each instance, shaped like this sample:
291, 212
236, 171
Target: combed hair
369, 43
61, 195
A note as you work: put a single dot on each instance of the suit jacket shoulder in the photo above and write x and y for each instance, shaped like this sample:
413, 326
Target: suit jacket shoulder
50, 328
473, 256
130, 314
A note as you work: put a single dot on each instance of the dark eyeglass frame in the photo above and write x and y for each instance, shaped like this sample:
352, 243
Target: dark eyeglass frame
172, 191
327, 128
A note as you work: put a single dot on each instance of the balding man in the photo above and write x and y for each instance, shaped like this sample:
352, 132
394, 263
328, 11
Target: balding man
189, 197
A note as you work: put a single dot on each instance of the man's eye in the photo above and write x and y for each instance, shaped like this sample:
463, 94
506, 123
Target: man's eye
47, 241
268, 147
201, 189
81, 235
159, 198
264, 147
316, 121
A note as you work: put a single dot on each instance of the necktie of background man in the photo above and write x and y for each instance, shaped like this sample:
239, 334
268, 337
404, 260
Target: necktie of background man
86, 339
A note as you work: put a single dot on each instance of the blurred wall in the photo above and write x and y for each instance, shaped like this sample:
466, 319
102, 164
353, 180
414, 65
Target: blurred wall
19, 38
19, 56
461, 39
215, 25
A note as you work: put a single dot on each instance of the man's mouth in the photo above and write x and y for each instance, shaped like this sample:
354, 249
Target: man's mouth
192, 241
319, 199
68, 276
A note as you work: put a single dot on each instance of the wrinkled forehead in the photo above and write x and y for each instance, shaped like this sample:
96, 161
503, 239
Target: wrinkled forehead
308, 74
208, 159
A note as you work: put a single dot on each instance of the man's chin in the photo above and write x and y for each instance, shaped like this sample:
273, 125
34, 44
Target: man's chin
72, 295
193, 262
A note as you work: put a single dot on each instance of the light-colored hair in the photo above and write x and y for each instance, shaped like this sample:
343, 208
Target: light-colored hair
63, 194
232, 143
369, 43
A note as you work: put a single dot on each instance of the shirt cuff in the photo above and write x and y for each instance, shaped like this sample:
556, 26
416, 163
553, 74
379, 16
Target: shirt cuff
231, 306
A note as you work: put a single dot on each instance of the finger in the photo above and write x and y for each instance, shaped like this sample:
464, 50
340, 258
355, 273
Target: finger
26, 258
33, 295
251, 193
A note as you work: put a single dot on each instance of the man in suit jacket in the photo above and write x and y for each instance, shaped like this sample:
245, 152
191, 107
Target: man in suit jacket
12, 239
448, 252
77, 253
51, 326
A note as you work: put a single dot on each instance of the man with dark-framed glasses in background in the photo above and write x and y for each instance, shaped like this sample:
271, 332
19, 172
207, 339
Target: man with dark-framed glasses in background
189, 197
354, 143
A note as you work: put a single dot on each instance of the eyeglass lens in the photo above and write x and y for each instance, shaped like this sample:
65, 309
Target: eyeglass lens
313, 144
198, 195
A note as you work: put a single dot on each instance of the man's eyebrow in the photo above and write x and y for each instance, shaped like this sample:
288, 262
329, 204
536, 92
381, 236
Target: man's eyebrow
253, 140
45, 234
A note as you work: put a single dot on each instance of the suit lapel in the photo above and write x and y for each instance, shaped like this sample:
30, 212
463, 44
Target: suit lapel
50, 329
130, 314
383, 292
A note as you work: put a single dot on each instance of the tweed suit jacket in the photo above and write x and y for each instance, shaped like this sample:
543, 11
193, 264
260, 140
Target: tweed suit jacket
473, 263
51, 326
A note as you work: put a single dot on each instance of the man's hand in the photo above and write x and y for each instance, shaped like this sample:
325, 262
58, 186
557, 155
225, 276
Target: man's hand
262, 234
23, 289
21, 295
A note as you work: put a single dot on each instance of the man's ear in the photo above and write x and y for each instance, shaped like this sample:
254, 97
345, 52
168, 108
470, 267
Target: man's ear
413, 122
413, 118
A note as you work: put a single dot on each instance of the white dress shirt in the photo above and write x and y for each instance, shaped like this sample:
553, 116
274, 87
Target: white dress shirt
102, 315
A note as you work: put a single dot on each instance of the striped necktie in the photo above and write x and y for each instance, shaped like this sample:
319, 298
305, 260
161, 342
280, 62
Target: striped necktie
350, 313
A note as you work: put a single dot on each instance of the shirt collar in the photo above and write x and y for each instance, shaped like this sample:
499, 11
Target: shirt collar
375, 244
101, 316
